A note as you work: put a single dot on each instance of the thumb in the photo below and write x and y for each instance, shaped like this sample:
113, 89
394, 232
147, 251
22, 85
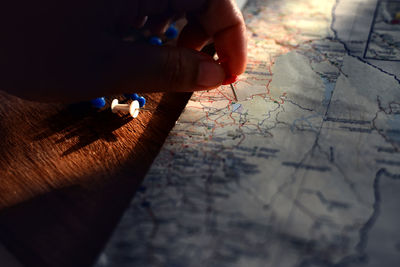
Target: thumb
144, 68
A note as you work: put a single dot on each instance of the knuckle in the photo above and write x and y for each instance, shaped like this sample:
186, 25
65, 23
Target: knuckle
173, 70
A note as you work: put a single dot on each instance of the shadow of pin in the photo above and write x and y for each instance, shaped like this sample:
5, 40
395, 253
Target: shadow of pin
84, 123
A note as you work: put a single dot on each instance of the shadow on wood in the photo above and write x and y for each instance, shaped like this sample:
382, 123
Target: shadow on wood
68, 223
83, 122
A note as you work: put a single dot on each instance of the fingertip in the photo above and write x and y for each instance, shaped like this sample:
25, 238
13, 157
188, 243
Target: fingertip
210, 74
231, 48
228, 33
230, 79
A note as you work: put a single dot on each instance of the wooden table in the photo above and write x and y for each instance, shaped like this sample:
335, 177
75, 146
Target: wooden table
68, 171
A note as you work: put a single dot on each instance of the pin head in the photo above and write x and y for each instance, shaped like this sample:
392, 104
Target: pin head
171, 32
142, 101
132, 96
134, 108
99, 102
155, 40
114, 103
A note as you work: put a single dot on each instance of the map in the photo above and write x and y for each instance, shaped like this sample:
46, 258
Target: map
384, 41
302, 169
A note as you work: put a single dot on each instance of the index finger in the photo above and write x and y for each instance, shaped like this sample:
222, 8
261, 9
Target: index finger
224, 23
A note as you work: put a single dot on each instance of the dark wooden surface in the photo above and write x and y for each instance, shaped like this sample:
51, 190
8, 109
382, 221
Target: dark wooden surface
68, 171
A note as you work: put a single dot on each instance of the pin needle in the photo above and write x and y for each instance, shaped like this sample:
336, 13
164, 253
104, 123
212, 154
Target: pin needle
147, 109
210, 50
234, 92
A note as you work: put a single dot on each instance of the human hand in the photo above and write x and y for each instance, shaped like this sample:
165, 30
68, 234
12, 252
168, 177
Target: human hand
65, 50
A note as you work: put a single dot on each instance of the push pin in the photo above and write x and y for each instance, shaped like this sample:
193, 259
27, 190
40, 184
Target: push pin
171, 32
99, 102
155, 40
140, 99
133, 108
132, 96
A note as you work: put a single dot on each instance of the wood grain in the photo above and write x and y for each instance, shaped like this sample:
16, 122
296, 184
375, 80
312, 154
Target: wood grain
68, 171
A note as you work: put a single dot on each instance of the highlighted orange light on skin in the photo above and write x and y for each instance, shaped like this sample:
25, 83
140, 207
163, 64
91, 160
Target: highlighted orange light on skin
230, 79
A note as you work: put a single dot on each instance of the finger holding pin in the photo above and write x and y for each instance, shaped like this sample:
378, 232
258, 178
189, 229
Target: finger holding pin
133, 108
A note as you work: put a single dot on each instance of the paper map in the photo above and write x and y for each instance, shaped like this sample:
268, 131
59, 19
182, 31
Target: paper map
302, 170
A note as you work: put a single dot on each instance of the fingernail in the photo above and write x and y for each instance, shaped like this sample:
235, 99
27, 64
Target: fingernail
210, 74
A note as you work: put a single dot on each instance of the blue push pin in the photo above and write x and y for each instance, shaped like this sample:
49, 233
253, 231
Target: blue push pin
132, 96
171, 32
142, 101
155, 40
99, 102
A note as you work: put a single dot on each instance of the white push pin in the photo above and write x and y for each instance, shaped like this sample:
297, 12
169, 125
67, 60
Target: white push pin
133, 108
